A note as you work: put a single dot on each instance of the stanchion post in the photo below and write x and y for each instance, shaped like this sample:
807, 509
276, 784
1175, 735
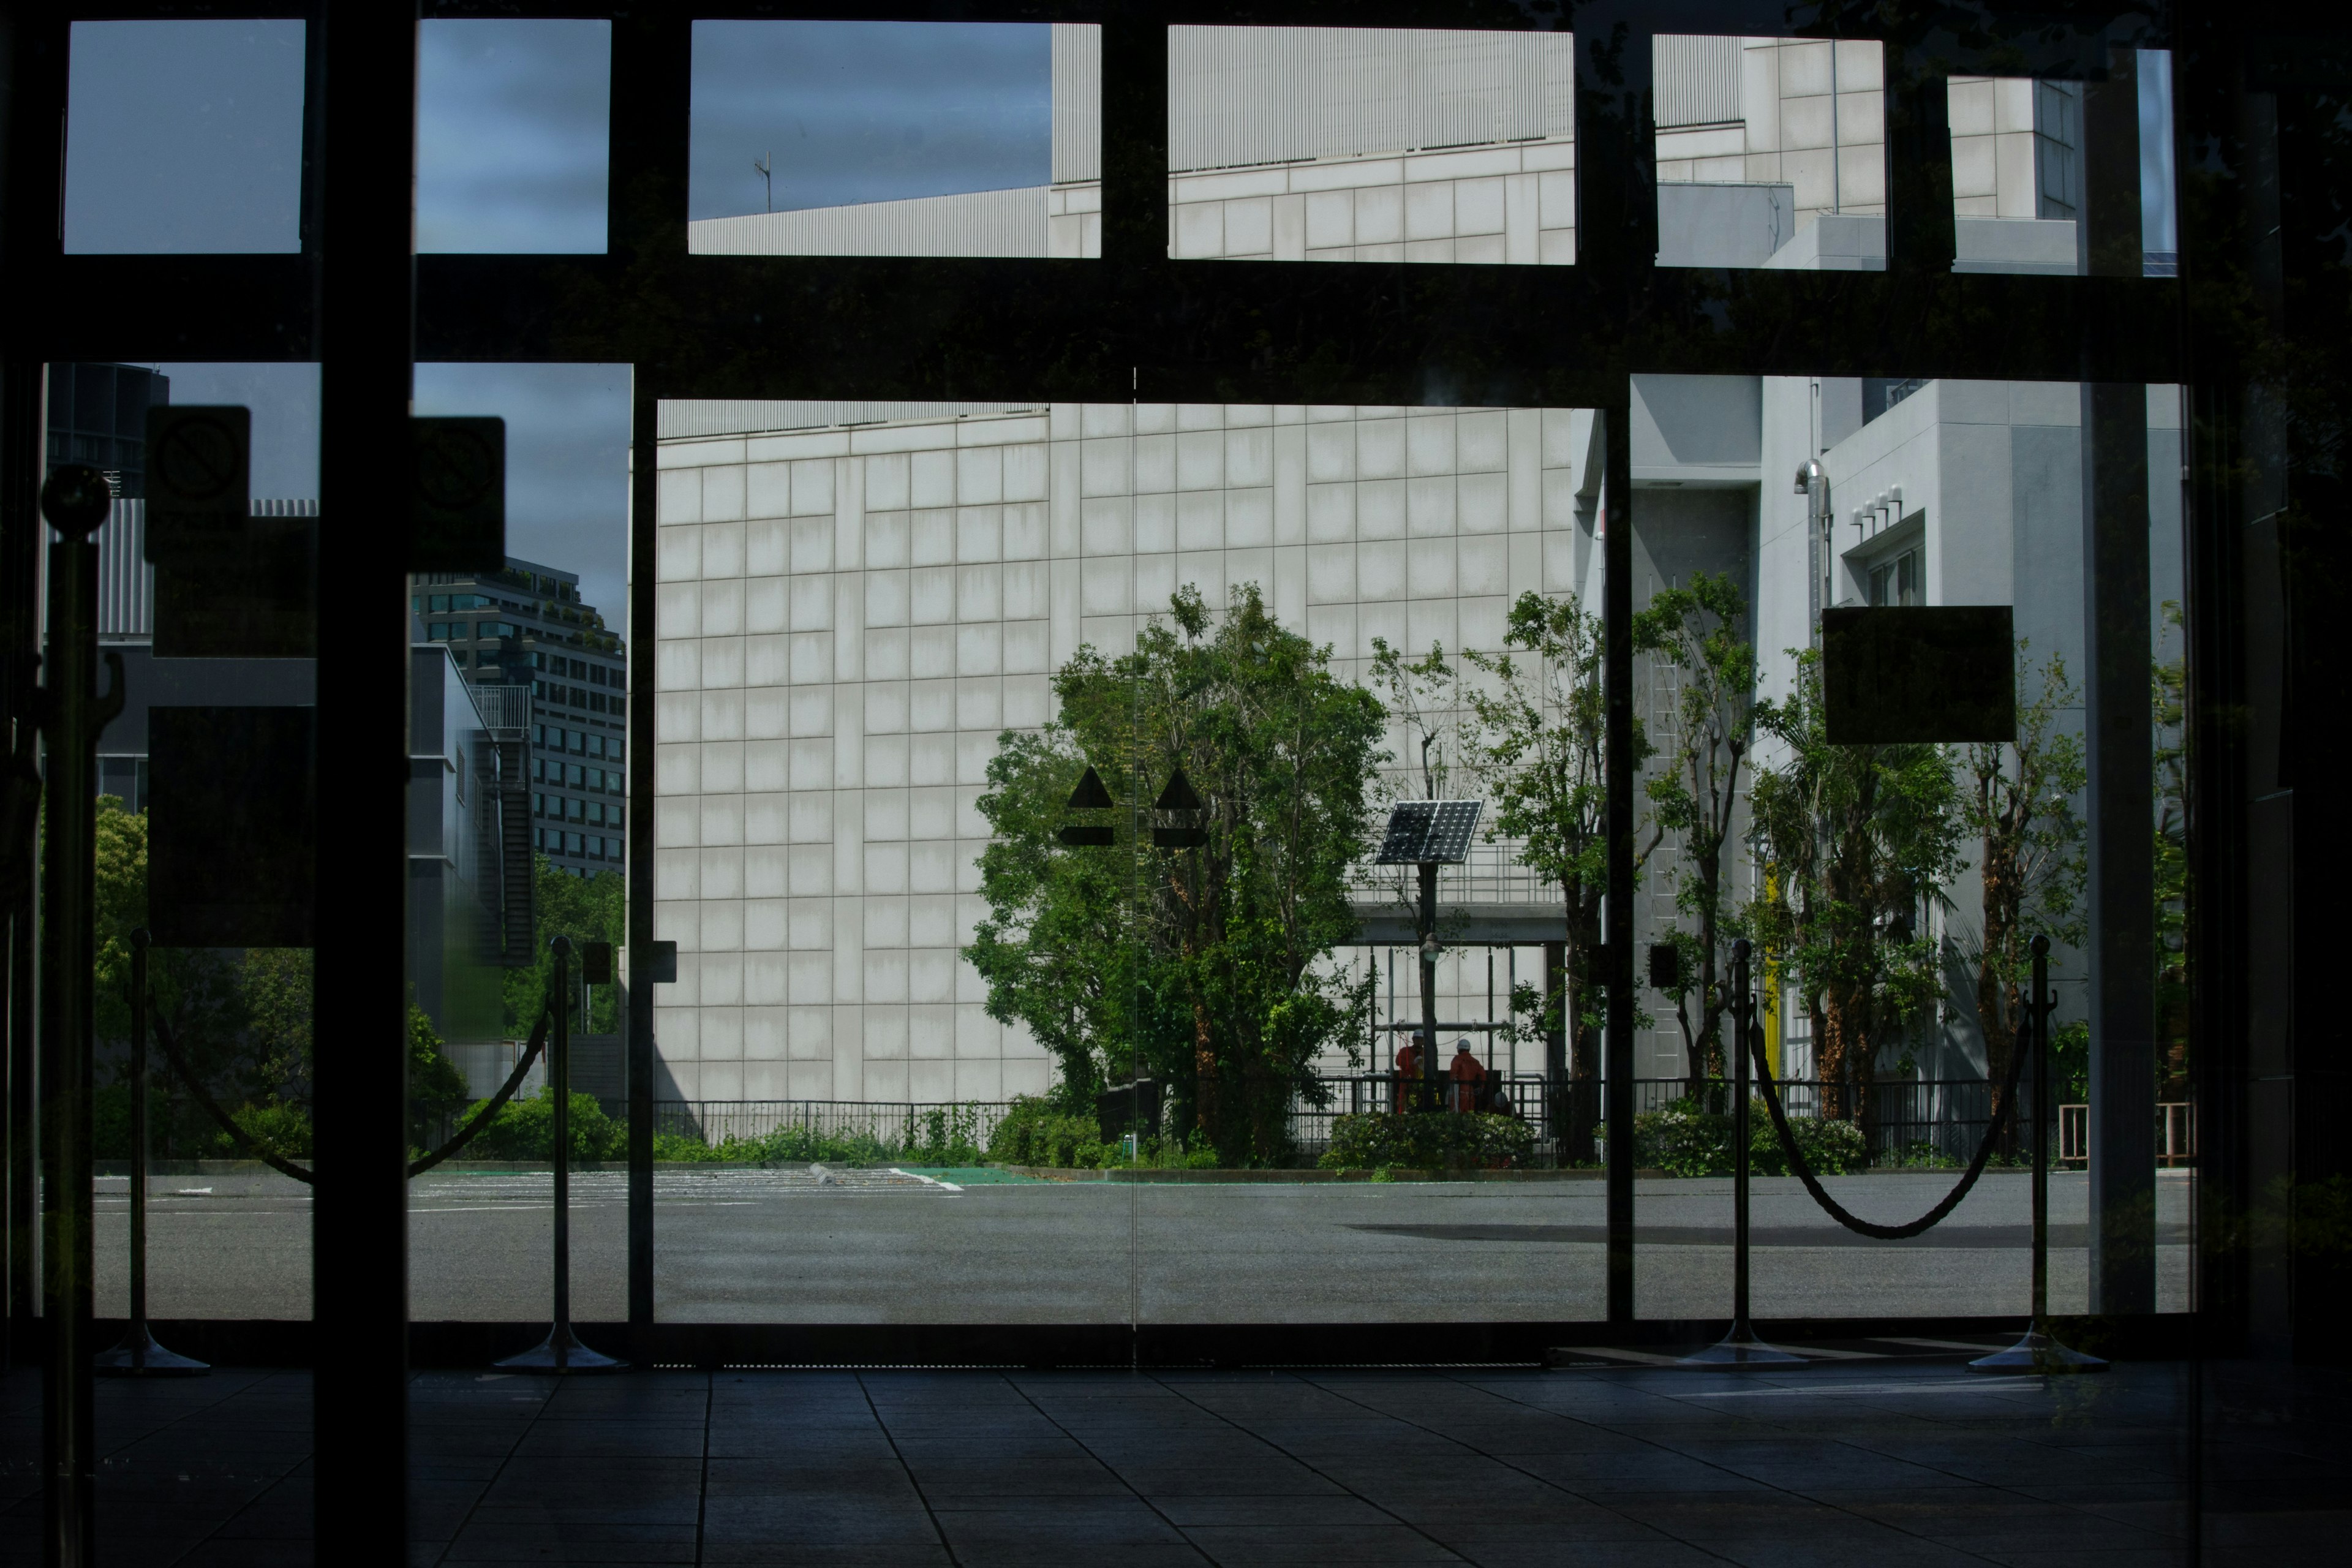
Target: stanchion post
2039, 1351
1740, 1346
139, 1355
561, 1352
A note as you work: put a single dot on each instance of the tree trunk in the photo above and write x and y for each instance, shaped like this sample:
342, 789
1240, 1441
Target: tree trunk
1838, 1043
1204, 1075
1996, 1012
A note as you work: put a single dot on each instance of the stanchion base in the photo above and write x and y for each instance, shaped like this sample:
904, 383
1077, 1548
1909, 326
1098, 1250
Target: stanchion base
2037, 1352
1741, 1347
140, 1356
560, 1354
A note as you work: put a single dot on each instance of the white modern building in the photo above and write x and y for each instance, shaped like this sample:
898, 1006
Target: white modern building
857, 600
1368, 144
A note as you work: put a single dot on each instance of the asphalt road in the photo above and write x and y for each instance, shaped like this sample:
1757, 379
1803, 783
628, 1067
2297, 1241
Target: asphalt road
776, 1246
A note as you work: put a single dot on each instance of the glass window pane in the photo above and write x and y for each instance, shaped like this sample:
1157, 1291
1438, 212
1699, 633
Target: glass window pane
1371, 144
1890, 974
1771, 153
511, 138
226, 1237
185, 137
895, 138
563, 588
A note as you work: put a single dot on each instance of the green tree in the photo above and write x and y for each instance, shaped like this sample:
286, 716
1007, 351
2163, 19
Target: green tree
1539, 733
1208, 972
2020, 807
1696, 643
240, 1017
586, 908
1857, 843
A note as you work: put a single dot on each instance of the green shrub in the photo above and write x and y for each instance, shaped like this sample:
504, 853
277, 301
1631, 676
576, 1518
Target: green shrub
1427, 1140
1034, 1134
525, 1130
280, 1126
1684, 1140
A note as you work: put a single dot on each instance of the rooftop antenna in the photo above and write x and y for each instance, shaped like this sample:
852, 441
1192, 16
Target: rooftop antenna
765, 165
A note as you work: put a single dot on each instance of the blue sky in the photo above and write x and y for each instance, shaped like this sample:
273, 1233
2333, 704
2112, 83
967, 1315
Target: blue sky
512, 140
567, 449
183, 137
867, 111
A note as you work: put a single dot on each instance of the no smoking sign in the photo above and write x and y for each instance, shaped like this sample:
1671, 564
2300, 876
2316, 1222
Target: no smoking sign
459, 486
199, 477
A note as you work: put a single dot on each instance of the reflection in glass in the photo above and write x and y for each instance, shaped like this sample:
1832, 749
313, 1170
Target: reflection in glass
896, 139
2018, 168
530, 758
1771, 153
1893, 889
227, 1237
1371, 144
185, 137
511, 139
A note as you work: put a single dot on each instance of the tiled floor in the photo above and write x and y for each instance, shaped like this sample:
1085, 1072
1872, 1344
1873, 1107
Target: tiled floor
1868, 1465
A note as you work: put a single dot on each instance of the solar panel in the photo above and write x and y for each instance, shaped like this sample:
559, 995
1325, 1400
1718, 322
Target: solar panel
1422, 830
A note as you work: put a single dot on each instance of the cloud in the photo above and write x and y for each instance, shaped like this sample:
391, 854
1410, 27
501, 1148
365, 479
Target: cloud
512, 135
867, 111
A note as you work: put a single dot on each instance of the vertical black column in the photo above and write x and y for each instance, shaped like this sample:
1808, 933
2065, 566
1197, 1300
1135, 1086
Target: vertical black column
653, 67
1920, 234
1617, 244
2119, 734
1617, 954
35, 52
645, 491
363, 129
71, 720
1135, 140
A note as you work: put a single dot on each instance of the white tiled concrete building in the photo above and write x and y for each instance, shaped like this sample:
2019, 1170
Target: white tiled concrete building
851, 614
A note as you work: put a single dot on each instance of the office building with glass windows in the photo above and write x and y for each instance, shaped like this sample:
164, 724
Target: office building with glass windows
527, 626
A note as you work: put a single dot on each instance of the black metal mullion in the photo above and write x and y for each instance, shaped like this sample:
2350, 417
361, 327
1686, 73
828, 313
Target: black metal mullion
366, 63
646, 235
1617, 245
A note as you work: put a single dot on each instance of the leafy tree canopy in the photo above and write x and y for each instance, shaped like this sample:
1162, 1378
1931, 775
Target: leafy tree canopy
1196, 960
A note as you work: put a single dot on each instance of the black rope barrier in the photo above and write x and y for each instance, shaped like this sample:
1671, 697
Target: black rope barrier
490, 1112
1837, 1210
277, 1162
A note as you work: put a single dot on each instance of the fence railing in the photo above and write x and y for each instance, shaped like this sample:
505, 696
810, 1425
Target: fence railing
1938, 1121
1915, 1122
2176, 1134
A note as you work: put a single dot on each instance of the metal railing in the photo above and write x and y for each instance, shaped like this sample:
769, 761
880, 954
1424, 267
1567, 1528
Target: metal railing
2176, 1134
1915, 1122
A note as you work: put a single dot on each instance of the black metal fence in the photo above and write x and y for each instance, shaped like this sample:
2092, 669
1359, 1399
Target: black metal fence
1914, 1121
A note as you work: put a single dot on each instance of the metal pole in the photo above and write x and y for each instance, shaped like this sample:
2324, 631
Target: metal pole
1740, 1346
2039, 1351
76, 500
1428, 923
139, 1355
561, 1352
560, 1075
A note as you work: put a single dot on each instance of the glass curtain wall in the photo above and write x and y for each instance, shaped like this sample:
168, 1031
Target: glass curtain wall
1890, 853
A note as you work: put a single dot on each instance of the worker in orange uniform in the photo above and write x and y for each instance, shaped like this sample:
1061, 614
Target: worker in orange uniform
1467, 1074
1408, 1067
